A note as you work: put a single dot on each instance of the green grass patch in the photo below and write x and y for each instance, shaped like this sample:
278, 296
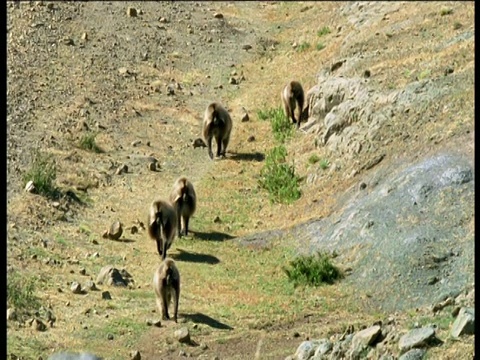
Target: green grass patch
320, 46
424, 74
43, 173
446, 11
87, 142
313, 159
323, 31
303, 46
279, 178
313, 270
282, 127
21, 292
266, 114
324, 164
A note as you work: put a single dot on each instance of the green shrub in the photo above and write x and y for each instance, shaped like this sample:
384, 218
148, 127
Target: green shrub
266, 114
87, 142
282, 127
446, 11
312, 270
279, 178
313, 159
20, 292
43, 174
320, 46
323, 31
303, 46
324, 164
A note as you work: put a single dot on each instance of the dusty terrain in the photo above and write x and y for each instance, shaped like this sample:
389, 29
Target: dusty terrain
140, 84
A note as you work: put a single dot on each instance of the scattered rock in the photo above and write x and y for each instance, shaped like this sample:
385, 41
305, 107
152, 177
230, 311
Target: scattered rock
90, 285
132, 12
170, 89
182, 335
217, 220
199, 143
133, 230
367, 74
111, 276
245, 117
110, 337
367, 336
39, 325
30, 187
76, 288
135, 355
464, 324
106, 295
232, 81
136, 143
11, 314
416, 338
152, 166
414, 354
246, 47
115, 230
85, 36
68, 41
121, 169
218, 16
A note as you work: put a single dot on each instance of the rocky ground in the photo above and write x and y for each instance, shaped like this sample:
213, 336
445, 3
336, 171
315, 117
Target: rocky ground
391, 106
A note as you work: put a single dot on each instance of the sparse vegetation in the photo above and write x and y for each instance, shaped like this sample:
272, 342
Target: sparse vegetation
424, 74
446, 11
323, 31
303, 46
457, 25
282, 127
43, 173
320, 46
21, 292
87, 142
313, 270
313, 159
266, 114
324, 164
279, 178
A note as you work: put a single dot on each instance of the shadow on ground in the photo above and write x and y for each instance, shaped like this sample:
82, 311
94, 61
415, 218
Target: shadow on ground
195, 257
256, 156
212, 235
207, 320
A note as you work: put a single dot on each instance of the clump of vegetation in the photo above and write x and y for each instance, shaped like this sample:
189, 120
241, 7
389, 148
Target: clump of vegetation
446, 11
279, 178
324, 164
266, 114
303, 46
21, 292
323, 31
312, 270
87, 142
320, 46
313, 159
424, 74
282, 127
43, 173
457, 25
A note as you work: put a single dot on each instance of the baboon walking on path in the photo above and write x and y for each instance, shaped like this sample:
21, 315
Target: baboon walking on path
217, 124
162, 224
166, 282
184, 201
292, 94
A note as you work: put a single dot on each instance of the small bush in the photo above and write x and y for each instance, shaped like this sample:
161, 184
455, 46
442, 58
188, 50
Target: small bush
320, 46
20, 292
282, 126
457, 25
266, 114
279, 178
424, 74
323, 31
313, 159
324, 164
87, 142
43, 174
446, 11
312, 270
303, 46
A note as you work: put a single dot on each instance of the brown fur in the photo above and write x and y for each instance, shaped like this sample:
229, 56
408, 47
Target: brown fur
166, 282
217, 124
162, 222
292, 94
184, 201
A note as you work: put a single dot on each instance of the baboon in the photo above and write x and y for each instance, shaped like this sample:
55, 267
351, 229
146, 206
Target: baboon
162, 222
184, 201
166, 282
217, 123
292, 94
